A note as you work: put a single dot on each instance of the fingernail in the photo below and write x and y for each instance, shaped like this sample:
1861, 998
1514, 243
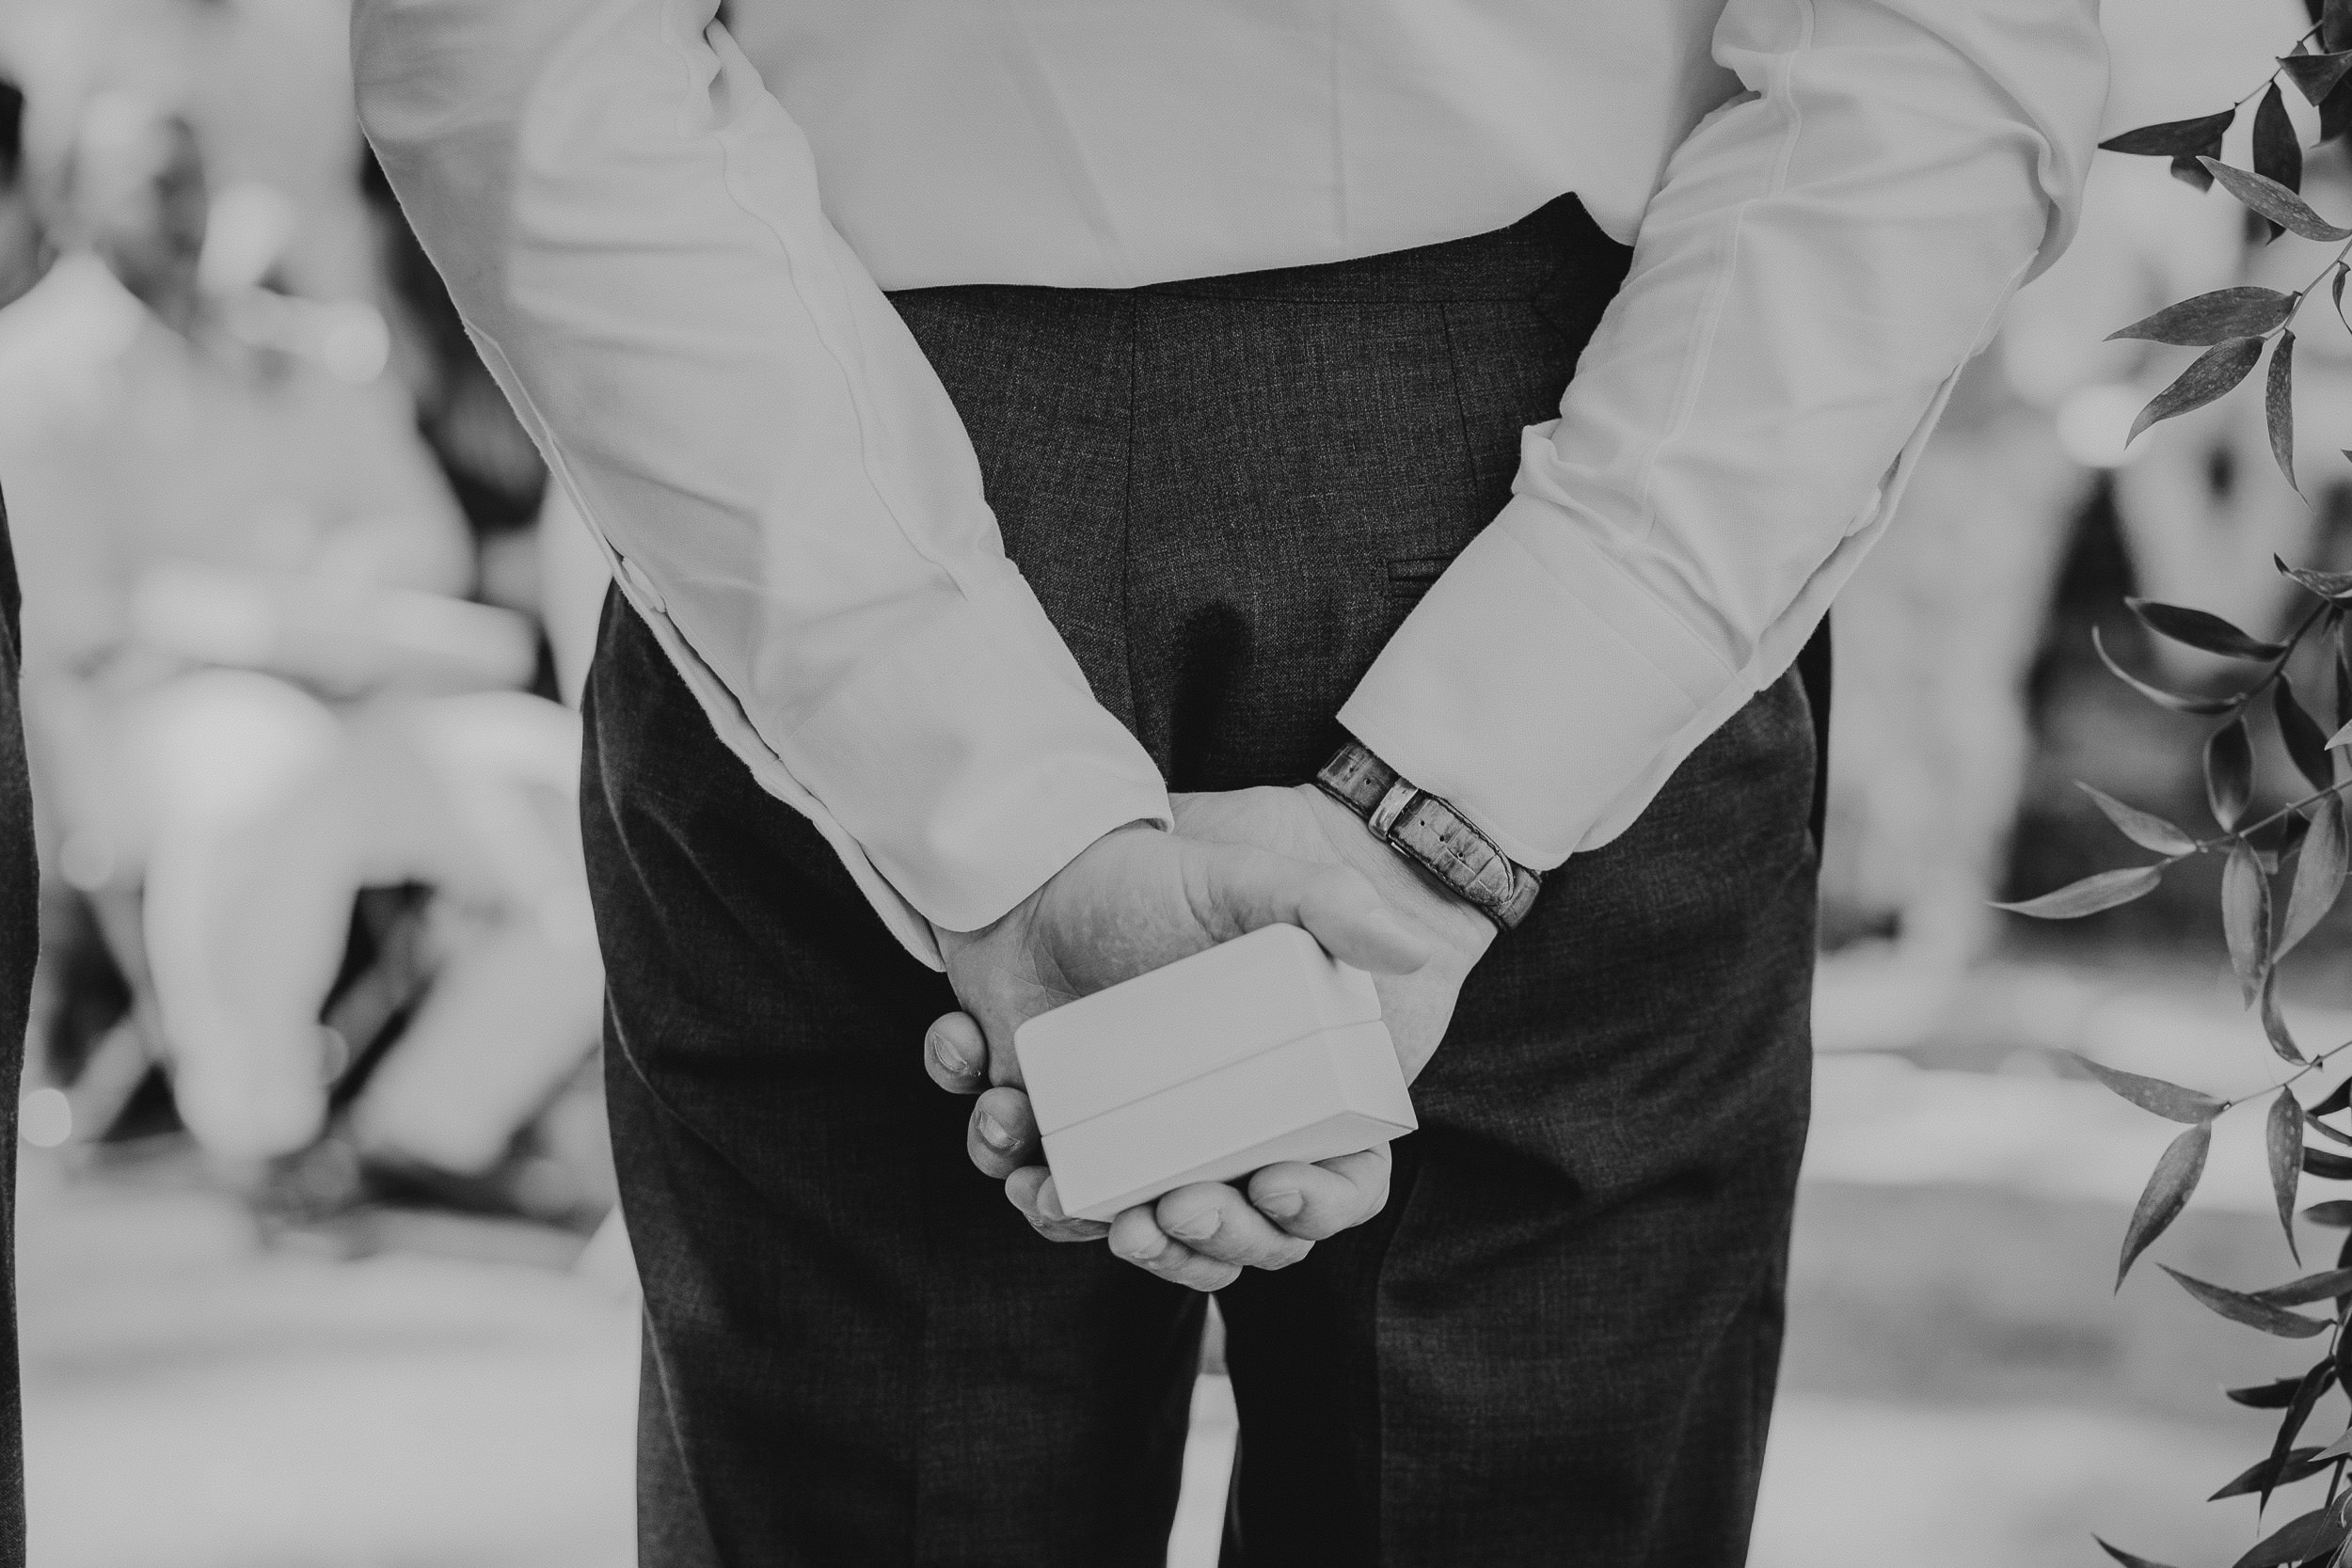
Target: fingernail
1151, 1251
993, 1134
1281, 1206
943, 1050
1198, 1229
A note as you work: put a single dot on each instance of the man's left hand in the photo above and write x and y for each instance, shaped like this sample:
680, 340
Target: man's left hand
1204, 1234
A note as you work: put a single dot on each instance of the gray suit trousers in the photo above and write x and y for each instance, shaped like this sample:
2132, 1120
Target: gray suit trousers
1558, 1343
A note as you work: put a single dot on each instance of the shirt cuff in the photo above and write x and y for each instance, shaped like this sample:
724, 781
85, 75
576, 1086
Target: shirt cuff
1534, 684
971, 761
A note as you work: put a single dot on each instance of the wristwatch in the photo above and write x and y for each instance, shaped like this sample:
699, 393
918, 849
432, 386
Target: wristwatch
1429, 832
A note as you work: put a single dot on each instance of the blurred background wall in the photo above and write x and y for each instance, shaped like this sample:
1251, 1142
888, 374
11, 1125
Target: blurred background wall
319, 1263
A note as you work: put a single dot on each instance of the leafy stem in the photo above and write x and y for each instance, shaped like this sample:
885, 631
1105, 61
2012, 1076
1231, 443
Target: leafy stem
2266, 909
2265, 82
2238, 835
2304, 292
2317, 1061
2293, 641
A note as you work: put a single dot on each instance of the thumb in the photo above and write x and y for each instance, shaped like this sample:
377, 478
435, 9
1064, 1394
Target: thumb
1247, 888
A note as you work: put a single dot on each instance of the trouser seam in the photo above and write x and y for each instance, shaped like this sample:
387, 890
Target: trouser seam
1127, 513
618, 1042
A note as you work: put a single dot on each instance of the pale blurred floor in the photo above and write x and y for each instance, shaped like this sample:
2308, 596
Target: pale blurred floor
1963, 1388
1857, 1484
192, 1401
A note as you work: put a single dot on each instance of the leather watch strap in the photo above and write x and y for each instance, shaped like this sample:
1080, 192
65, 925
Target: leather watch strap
1429, 832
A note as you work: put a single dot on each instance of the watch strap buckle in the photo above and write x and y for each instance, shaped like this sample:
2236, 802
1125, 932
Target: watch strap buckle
1426, 830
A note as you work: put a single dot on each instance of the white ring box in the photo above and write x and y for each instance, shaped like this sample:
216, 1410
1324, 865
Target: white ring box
1260, 1049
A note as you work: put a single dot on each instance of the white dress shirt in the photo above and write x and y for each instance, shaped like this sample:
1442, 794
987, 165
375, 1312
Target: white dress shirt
671, 244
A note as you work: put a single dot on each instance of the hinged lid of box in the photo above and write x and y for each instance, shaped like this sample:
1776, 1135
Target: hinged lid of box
1194, 1015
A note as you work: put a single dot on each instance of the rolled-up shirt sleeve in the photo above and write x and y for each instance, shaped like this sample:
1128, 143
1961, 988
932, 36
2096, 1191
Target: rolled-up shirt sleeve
1825, 251
630, 225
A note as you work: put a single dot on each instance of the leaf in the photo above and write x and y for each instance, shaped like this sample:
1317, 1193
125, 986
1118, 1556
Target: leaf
2339, 1099
2168, 1100
2213, 318
2167, 1194
2246, 919
2277, 153
2276, 1395
2318, 874
2328, 585
2306, 742
2274, 201
2335, 293
2208, 376
2189, 167
2298, 1541
2145, 829
2335, 24
2311, 1288
2325, 1130
2126, 1559
2240, 1307
2271, 1472
2157, 694
2104, 890
2316, 75
2336, 1212
2283, 1132
2172, 138
2286, 837
2229, 773
2308, 1390
2335, 114
2344, 669
2202, 630
2275, 1027
2330, 1168
2280, 1038
2279, 406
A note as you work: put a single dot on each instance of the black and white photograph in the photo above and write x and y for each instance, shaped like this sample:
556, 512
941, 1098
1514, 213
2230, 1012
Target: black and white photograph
1175, 783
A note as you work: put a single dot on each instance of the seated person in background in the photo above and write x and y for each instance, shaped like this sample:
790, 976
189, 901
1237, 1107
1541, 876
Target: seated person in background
255, 687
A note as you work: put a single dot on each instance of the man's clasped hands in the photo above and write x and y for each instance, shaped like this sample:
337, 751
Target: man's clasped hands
1142, 898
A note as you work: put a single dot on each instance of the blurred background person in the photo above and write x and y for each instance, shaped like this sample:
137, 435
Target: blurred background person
1943, 629
266, 84
256, 687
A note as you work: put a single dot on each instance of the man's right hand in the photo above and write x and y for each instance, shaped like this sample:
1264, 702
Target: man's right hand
1135, 899
1140, 899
